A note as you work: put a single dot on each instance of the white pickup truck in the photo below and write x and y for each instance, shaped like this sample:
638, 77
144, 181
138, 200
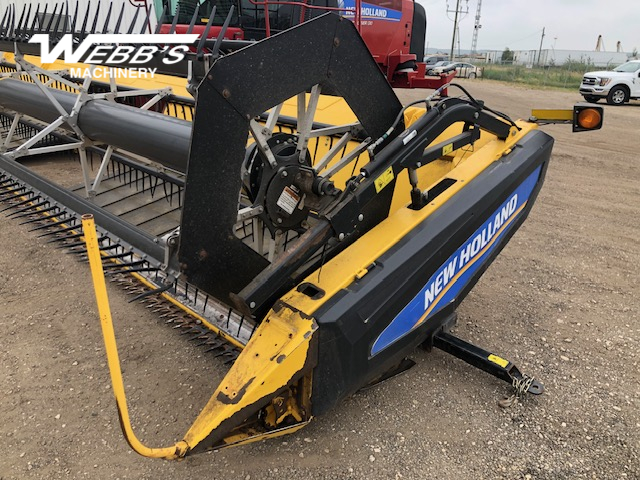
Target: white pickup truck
617, 86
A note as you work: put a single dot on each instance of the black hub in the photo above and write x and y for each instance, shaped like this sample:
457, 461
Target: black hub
282, 189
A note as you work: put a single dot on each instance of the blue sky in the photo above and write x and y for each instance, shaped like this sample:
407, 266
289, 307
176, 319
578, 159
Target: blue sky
517, 24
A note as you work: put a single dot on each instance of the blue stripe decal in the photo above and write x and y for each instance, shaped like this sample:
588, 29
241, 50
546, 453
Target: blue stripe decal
454, 274
369, 11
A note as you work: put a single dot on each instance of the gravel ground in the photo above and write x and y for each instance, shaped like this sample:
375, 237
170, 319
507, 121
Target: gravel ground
561, 301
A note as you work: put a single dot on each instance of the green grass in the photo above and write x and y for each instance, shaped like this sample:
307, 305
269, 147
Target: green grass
556, 77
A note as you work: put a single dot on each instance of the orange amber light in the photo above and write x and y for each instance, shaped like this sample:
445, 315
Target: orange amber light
589, 118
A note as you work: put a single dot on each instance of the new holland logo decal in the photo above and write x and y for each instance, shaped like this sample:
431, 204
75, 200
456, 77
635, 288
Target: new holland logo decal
452, 276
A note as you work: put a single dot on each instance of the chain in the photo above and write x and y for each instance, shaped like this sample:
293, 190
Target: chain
521, 386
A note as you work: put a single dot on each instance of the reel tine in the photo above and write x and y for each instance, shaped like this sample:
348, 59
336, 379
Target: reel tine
6, 26
13, 21
33, 22
133, 22
26, 22
19, 26
161, 20
60, 16
105, 27
41, 21
95, 19
75, 17
86, 19
174, 24
117, 29
193, 18
146, 20
4, 17
65, 19
53, 15
223, 30
205, 34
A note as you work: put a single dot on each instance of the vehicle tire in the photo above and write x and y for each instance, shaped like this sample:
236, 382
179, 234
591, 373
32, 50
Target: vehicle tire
430, 72
472, 75
618, 96
591, 98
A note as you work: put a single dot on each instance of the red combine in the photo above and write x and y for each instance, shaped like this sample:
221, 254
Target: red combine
394, 30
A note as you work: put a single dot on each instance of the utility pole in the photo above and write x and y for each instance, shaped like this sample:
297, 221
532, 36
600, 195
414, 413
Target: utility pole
476, 28
540, 49
455, 30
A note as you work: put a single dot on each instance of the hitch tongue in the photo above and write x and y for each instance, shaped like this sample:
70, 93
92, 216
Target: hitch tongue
489, 362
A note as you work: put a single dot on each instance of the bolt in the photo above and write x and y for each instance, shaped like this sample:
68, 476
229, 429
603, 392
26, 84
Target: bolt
252, 305
476, 115
418, 165
360, 217
284, 174
279, 220
226, 93
341, 237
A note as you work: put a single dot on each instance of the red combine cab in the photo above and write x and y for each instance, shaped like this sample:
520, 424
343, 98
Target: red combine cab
394, 30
